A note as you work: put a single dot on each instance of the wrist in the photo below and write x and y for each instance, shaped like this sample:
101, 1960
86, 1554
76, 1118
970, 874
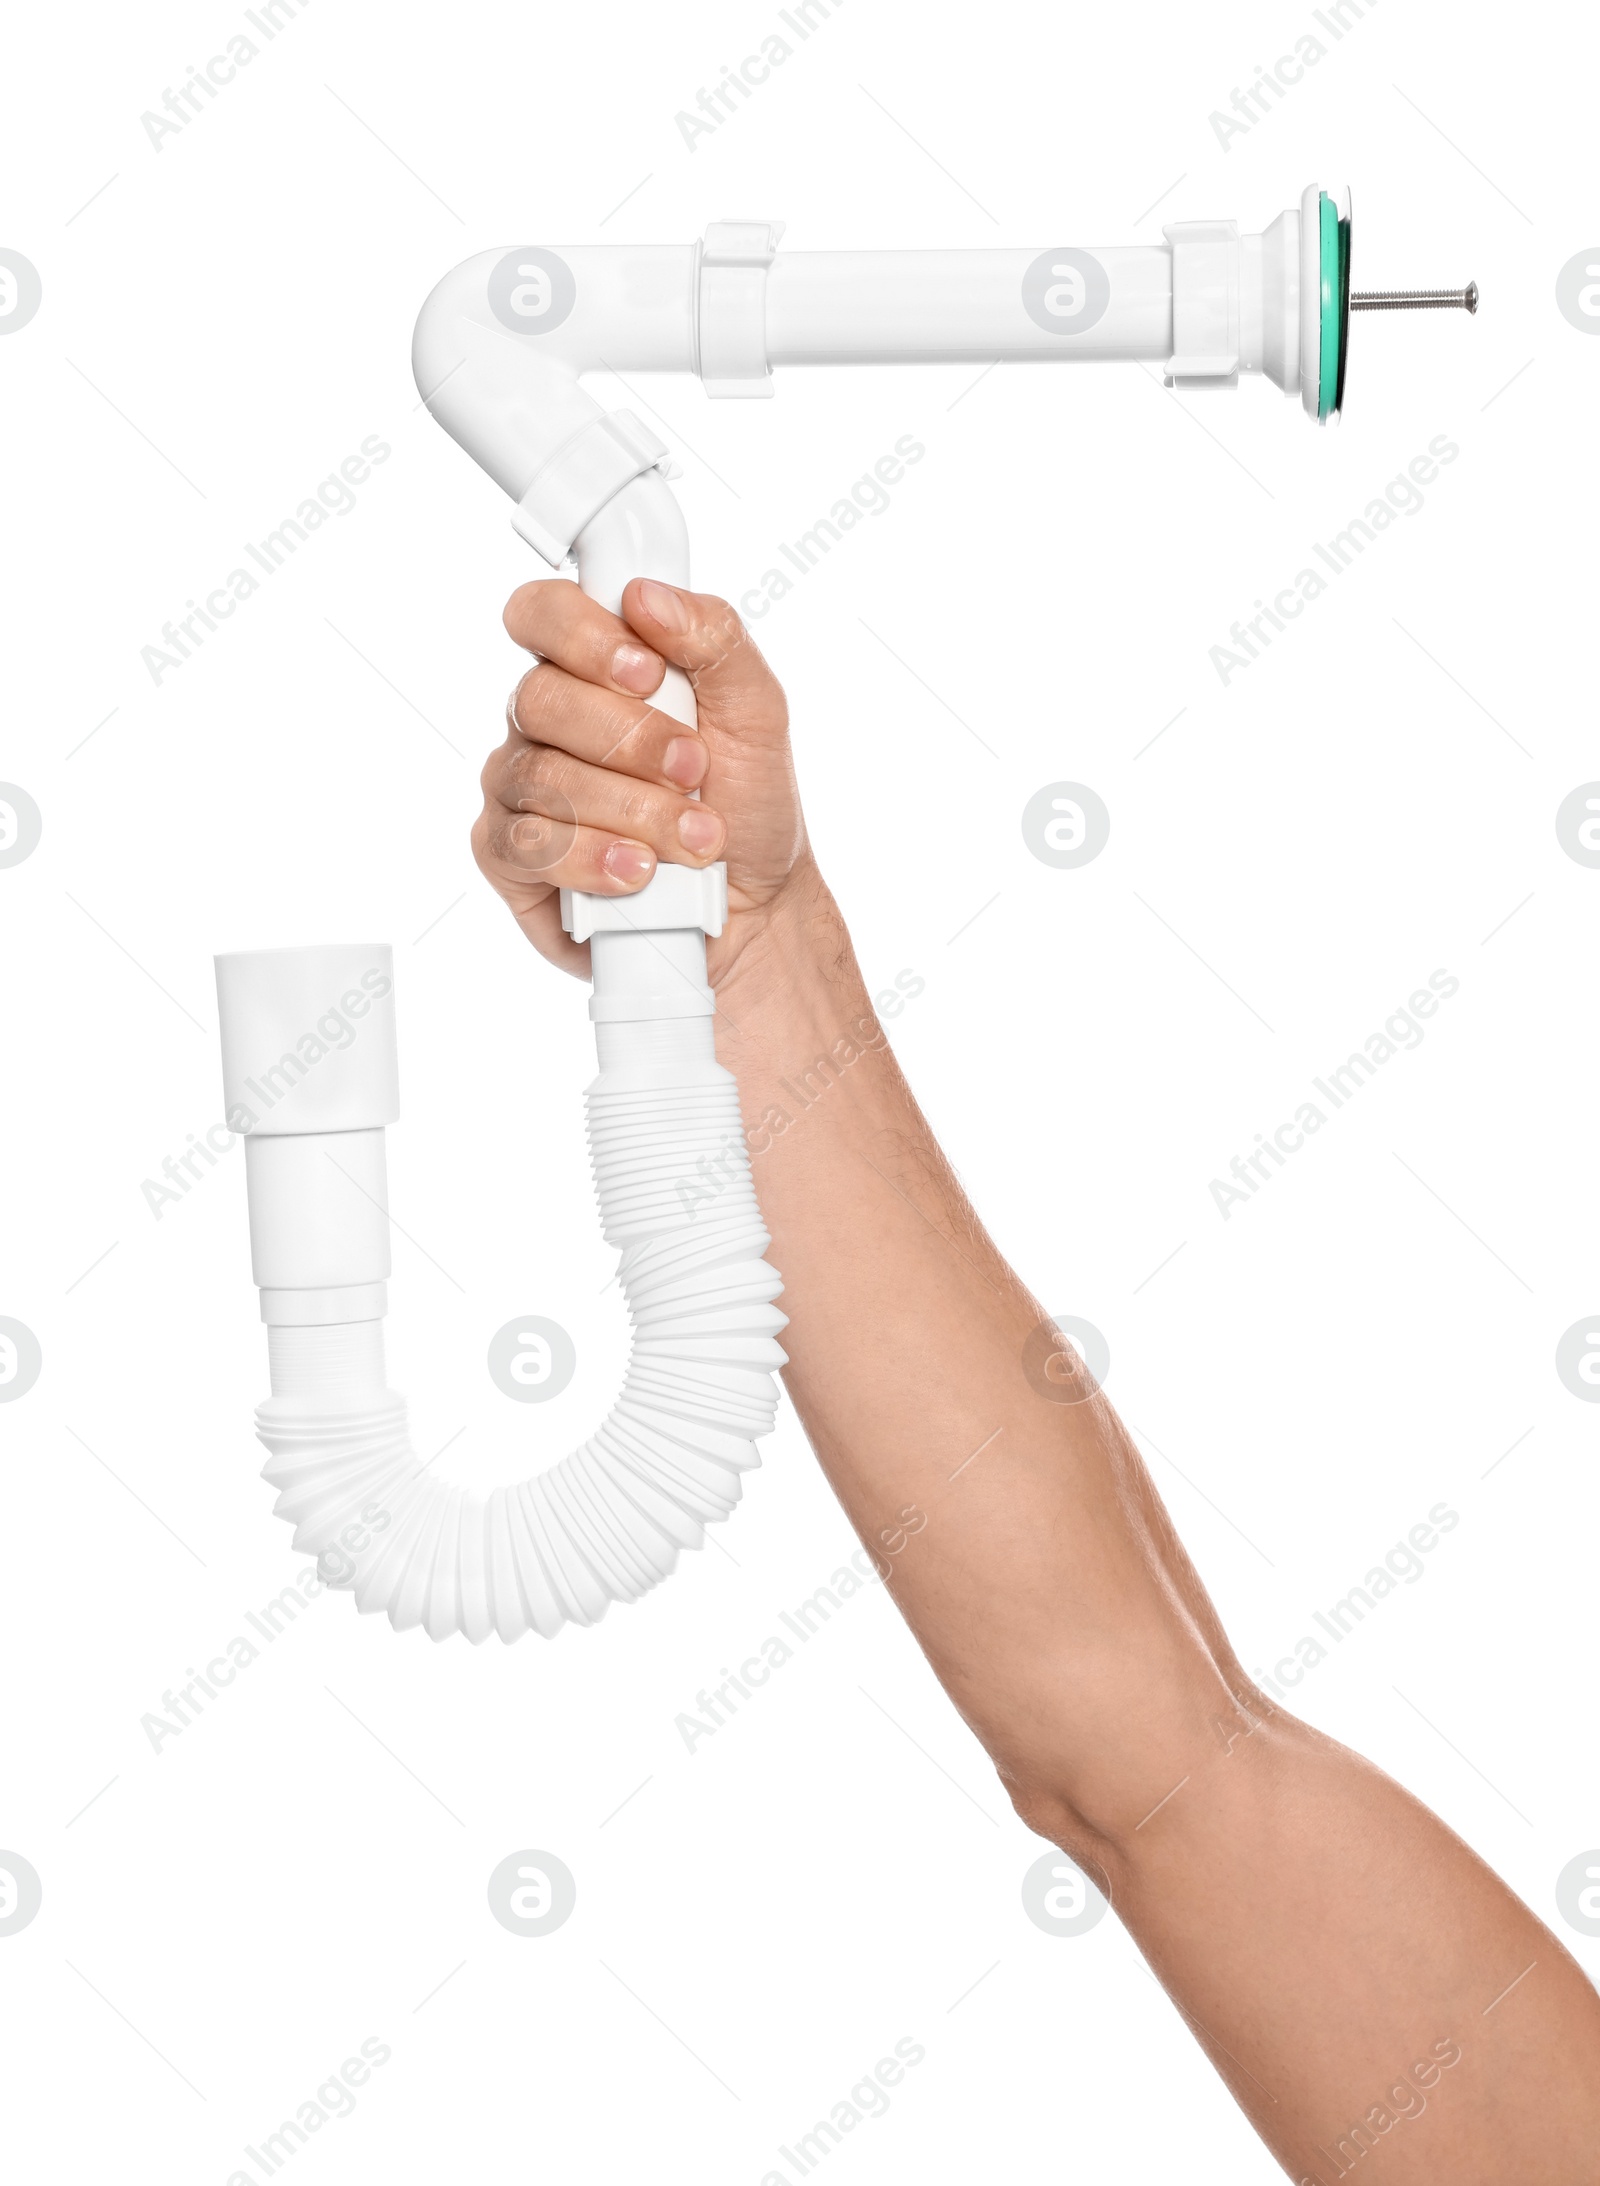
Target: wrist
791, 988
778, 961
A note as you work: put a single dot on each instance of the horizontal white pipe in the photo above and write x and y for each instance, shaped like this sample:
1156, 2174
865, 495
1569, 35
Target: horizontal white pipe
499, 358
954, 307
636, 310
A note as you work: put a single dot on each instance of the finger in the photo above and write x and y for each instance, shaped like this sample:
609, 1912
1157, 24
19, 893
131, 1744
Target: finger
553, 618
535, 904
606, 728
705, 637
539, 778
556, 851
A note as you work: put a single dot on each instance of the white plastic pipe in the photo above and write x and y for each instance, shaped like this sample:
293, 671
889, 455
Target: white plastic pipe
504, 338
313, 1083
308, 1034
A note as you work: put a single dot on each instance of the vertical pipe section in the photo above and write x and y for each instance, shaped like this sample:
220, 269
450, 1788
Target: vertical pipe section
310, 1079
310, 1076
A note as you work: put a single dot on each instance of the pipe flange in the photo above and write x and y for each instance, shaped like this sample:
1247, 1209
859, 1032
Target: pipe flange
675, 896
575, 484
731, 306
1205, 303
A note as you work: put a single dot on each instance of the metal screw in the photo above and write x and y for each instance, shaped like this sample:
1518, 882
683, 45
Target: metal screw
1417, 299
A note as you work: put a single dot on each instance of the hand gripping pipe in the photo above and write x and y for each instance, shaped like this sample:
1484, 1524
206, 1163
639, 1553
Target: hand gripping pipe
309, 1069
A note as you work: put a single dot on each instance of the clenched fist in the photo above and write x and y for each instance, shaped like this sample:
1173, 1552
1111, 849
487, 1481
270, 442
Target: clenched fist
594, 785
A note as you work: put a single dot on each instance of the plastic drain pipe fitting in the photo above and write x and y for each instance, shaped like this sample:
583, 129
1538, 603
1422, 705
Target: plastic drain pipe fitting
309, 1066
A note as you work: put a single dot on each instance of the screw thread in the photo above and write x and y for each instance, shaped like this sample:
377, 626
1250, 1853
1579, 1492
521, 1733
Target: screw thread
1417, 299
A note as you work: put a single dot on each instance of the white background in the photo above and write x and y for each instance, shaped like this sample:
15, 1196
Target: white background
226, 321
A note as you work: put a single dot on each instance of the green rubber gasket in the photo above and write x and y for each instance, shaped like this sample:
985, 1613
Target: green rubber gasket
1328, 374
1344, 309
1334, 256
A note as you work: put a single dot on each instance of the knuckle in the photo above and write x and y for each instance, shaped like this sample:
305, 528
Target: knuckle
722, 628
536, 766
534, 700
512, 837
643, 742
500, 769
536, 842
491, 843
547, 785
637, 808
525, 608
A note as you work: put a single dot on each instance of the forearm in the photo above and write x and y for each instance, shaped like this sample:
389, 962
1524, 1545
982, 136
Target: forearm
1320, 1930
1037, 1566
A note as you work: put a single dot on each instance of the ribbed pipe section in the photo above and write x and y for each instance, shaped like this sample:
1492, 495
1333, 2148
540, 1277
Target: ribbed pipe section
608, 1522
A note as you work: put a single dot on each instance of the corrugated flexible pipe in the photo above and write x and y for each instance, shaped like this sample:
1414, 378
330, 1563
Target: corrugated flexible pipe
310, 1076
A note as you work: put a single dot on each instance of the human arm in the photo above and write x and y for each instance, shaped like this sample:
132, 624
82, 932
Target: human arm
1330, 1942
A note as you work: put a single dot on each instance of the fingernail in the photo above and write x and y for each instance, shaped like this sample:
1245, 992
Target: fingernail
664, 604
629, 863
635, 669
684, 761
699, 830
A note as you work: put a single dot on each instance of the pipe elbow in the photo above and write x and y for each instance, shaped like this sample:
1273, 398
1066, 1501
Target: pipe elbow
502, 341
508, 403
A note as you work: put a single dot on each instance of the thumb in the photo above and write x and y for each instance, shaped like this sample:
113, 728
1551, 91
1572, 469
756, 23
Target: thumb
736, 693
